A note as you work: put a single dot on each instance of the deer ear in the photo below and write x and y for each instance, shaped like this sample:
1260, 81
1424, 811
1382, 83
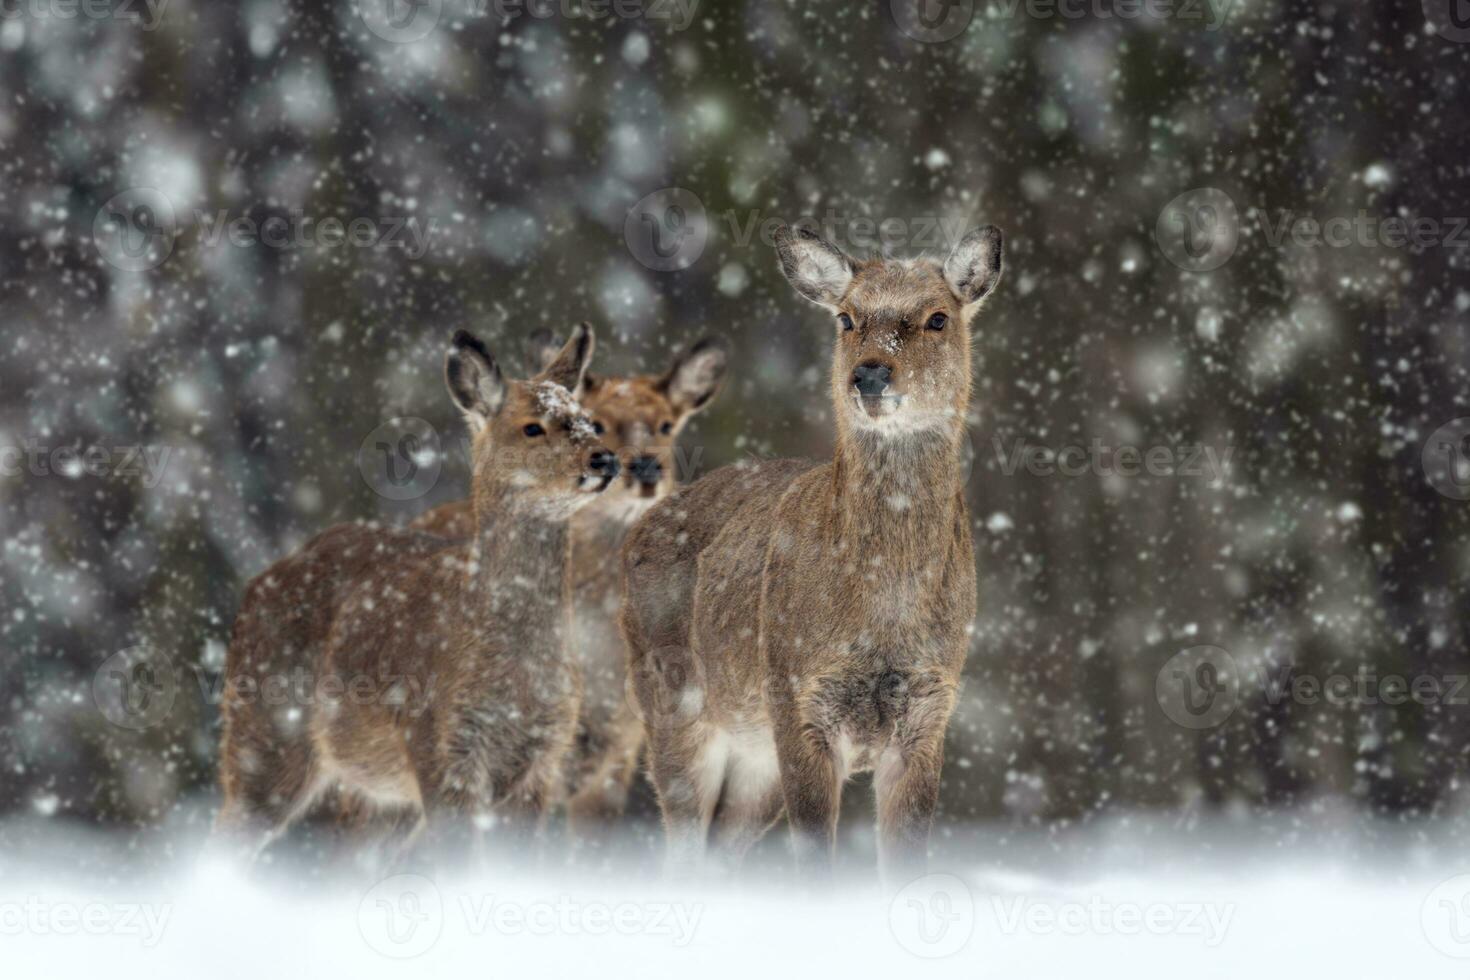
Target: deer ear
570, 363
816, 268
695, 376
474, 379
541, 349
973, 268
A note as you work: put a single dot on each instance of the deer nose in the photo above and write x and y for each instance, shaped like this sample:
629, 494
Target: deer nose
605, 463
871, 378
646, 470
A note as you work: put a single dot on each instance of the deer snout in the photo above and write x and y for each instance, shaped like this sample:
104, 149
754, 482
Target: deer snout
871, 378
646, 469
604, 463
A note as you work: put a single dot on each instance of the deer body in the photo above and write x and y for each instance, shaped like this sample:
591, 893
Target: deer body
639, 417
438, 671
790, 624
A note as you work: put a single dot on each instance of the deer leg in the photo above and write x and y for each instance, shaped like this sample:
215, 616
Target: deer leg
751, 800
811, 785
263, 799
906, 786
687, 766
605, 795
744, 819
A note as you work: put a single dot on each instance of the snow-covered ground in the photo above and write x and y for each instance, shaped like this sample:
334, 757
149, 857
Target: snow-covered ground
1310, 894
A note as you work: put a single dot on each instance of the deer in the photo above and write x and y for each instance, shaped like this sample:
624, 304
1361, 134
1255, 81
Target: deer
639, 417
791, 623
436, 674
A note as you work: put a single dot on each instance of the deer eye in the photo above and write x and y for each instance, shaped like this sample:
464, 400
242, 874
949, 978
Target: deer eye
845, 320
666, 428
598, 427
533, 430
936, 322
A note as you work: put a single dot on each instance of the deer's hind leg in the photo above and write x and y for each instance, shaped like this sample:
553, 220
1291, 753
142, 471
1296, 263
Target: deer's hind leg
688, 768
751, 798
267, 787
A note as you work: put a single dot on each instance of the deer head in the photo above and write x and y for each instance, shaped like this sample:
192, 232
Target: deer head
902, 358
639, 417
534, 450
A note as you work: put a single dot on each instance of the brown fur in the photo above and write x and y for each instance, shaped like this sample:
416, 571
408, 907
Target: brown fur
437, 672
789, 624
639, 416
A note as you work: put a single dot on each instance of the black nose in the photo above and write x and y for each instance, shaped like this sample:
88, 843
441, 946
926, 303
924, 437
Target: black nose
605, 463
646, 469
871, 378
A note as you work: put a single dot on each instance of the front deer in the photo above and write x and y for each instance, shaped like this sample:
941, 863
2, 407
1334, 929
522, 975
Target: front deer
790, 624
438, 673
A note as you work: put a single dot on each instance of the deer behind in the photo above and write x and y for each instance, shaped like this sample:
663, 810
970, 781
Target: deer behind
790, 624
431, 676
639, 417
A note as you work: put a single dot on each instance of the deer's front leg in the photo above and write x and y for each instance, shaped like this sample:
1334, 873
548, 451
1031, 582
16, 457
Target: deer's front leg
811, 785
907, 782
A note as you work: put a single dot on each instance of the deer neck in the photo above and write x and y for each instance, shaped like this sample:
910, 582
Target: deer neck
517, 578
896, 498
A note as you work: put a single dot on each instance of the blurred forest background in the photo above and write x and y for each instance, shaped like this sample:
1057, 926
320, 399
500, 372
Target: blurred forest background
518, 144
